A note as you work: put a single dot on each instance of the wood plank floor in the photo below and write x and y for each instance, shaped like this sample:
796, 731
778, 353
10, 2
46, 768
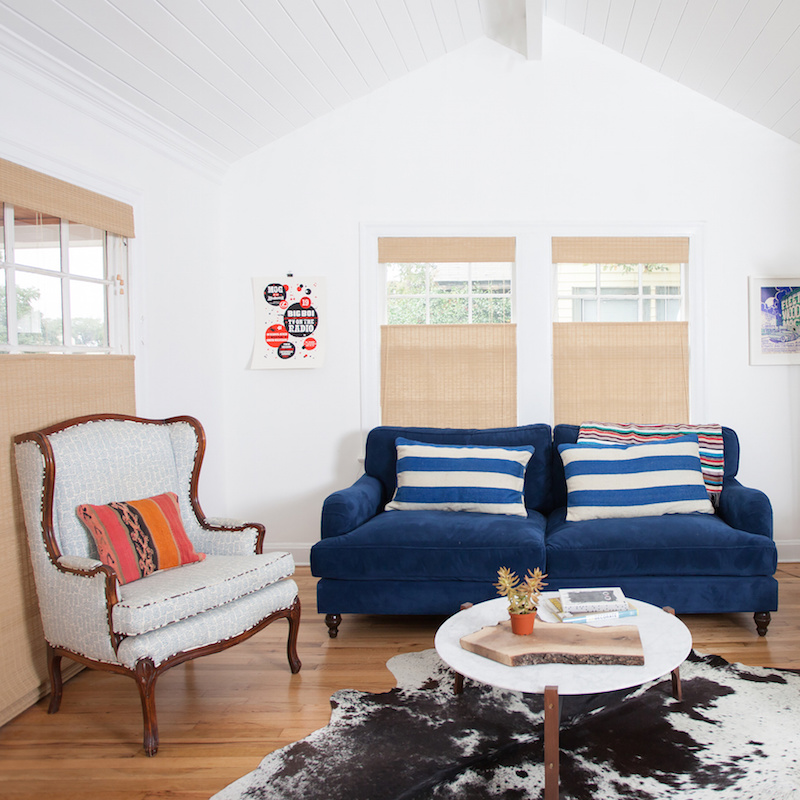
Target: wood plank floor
220, 715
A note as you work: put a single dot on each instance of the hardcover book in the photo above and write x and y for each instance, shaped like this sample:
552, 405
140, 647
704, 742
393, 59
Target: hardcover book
606, 598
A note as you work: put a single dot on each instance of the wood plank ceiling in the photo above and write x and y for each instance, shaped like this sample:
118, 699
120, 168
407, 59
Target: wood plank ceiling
227, 77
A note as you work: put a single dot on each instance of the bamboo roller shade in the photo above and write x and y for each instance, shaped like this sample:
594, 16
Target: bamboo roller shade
424, 249
449, 376
621, 372
620, 250
27, 188
40, 390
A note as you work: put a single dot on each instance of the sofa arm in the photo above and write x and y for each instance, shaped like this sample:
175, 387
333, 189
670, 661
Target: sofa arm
745, 509
345, 510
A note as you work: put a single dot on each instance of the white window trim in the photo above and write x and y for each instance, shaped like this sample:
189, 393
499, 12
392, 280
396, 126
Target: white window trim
533, 310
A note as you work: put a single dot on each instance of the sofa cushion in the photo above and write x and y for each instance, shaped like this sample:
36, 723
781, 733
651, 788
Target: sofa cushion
139, 537
611, 481
432, 545
166, 597
690, 544
460, 478
381, 454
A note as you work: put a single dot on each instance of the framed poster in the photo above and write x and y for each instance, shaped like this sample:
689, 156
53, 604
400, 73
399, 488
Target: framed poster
774, 320
289, 322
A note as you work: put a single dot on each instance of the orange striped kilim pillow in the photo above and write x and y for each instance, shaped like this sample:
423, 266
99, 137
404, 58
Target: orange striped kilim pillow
139, 537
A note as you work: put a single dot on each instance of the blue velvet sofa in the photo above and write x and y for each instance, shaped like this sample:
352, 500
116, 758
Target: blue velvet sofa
371, 561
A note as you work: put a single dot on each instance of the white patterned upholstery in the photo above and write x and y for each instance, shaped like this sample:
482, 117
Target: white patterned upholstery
172, 595
149, 624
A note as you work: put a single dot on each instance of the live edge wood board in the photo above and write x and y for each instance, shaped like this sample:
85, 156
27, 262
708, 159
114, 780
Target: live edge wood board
558, 643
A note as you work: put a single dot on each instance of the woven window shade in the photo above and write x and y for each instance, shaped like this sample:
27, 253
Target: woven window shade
427, 249
449, 376
620, 250
27, 188
621, 372
40, 390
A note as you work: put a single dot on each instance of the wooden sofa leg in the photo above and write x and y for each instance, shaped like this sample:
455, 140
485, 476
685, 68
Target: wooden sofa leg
291, 645
56, 684
333, 621
762, 618
146, 675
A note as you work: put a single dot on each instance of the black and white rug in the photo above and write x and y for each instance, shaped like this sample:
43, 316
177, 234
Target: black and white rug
734, 736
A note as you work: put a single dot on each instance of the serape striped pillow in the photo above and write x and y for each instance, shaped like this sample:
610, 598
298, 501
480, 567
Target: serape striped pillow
460, 478
139, 537
643, 480
709, 438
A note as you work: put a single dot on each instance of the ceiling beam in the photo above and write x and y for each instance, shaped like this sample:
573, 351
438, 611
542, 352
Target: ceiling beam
516, 24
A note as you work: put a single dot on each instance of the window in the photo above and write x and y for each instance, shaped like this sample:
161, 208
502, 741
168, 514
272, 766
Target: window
619, 292
620, 335
448, 293
67, 282
448, 343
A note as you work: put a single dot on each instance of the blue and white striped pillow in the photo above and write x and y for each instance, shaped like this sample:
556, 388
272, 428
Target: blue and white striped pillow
643, 480
460, 478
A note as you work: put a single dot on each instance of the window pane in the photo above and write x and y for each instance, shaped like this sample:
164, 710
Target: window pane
39, 317
449, 310
406, 311
661, 310
86, 251
37, 239
661, 279
3, 315
576, 278
405, 278
619, 279
619, 310
491, 278
491, 309
449, 278
88, 309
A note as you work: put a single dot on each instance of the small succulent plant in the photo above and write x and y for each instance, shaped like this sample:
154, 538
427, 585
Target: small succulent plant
523, 595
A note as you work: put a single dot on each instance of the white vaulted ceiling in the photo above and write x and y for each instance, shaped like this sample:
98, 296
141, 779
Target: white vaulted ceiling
222, 78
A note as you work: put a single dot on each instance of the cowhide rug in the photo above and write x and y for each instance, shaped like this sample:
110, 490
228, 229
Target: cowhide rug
735, 736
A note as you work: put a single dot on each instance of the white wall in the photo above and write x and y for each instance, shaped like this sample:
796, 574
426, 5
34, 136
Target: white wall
175, 257
480, 137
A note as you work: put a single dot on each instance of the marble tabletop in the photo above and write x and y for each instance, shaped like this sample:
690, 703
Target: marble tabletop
666, 642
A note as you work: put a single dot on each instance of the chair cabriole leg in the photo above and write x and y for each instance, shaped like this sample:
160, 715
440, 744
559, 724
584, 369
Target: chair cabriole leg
56, 684
146, 675
294, 628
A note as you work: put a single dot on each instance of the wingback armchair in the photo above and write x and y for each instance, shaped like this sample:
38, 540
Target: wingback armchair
93, 610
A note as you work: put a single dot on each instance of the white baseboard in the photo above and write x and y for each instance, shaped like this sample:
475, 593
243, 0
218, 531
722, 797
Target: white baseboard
789, 550
301, 551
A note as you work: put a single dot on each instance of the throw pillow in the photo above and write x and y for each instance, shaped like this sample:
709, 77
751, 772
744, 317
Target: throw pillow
460, 478
139, 537
709, 440
645, 480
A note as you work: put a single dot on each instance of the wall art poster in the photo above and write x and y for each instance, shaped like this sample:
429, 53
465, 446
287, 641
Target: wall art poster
774, 320
290, 323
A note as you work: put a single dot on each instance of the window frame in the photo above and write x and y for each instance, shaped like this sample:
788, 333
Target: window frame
115, 268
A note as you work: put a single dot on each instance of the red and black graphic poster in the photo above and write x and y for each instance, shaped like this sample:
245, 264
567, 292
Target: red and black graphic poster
289, 317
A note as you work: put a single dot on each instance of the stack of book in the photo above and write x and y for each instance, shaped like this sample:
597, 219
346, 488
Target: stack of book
587, 605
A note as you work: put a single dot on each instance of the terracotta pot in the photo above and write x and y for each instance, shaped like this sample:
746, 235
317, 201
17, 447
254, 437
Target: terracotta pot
522, 624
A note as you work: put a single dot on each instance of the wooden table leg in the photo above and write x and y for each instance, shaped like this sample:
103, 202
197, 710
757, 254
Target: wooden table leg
551, 725
677, 690
458, 685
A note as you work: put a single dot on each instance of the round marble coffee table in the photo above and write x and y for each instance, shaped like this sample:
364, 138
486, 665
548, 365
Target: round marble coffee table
666, 642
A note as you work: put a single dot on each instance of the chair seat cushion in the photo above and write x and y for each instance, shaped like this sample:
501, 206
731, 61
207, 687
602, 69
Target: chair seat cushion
432, 545
677, 545
177, 594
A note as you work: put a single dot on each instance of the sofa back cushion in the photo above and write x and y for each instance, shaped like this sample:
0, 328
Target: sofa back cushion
381, 453
568, 434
